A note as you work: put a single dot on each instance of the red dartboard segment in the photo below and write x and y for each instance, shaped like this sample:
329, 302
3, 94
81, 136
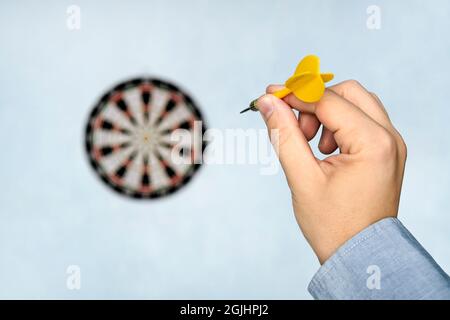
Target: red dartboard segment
127, 138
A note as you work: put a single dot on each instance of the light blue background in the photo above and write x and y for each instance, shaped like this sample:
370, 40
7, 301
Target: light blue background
231, 233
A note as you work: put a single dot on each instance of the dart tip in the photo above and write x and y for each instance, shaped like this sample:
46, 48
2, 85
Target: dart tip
252, 106
245, 110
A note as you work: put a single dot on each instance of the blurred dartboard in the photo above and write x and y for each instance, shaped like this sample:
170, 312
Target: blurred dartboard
130, 143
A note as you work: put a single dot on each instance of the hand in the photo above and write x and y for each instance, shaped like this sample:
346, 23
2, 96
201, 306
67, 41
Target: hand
339, 196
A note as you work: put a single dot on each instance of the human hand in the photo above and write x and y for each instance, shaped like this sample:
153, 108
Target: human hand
339, 196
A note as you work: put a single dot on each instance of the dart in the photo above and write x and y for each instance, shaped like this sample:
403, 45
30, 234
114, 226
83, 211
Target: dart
307, 83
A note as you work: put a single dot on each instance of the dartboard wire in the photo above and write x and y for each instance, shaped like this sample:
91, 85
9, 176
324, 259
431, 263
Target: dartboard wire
146, 96
184, 146
168, 168
186, 124
112, 162
109, 150
119, 174
171, 103
102, 137
120, 103
146, 180
107, 125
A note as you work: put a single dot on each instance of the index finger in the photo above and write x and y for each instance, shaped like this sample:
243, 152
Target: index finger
351, 126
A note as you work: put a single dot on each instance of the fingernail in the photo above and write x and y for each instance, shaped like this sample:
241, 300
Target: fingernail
265, 106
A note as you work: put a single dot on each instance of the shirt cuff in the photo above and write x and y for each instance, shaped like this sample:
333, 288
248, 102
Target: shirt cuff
384, 261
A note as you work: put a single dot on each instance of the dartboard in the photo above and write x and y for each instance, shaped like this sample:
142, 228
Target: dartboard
130, 138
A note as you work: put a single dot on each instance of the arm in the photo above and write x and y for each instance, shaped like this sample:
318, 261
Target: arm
346, 204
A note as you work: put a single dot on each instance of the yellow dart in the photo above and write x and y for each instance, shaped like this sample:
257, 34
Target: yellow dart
307, 83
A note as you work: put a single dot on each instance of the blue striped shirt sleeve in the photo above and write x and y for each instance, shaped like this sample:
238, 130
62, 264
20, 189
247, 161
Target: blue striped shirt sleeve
384, 261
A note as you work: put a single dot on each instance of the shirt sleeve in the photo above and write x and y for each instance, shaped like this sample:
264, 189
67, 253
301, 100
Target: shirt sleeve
384, 261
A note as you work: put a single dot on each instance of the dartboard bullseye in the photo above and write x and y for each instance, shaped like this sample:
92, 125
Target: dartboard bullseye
130, 138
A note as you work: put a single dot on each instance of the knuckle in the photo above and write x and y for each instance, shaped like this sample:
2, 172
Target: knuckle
326, 99
375, 96
403, 148
271, 88
352, 84
386, 146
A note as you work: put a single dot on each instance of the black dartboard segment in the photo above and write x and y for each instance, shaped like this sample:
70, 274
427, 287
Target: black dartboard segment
128, 138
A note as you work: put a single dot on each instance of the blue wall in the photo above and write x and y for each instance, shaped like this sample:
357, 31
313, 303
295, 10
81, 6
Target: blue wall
231, 232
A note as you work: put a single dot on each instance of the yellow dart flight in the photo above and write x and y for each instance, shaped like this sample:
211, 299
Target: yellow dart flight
307, 83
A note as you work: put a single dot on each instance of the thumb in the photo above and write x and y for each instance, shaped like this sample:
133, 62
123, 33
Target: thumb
294, 152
